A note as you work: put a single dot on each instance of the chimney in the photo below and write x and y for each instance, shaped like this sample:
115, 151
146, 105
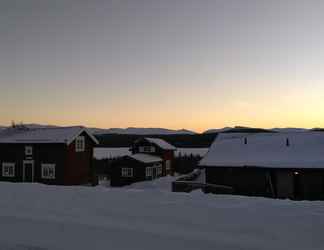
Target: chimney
245, 141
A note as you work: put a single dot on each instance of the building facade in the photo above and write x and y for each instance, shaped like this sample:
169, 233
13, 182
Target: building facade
135, 168
151, 158
279, 165
59, 156
156, 147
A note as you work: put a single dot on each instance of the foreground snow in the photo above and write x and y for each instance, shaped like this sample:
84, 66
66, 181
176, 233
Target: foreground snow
35, 216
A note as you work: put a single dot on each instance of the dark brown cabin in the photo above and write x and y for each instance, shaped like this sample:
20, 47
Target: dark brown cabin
58, 156
135, 168
151, 158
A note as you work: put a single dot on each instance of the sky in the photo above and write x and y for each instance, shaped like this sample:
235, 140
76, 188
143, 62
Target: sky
162, 63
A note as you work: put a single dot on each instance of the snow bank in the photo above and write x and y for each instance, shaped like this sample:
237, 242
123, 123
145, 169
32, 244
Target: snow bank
38, 217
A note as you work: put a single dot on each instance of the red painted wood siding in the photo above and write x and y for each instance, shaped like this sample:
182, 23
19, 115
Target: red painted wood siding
78, 168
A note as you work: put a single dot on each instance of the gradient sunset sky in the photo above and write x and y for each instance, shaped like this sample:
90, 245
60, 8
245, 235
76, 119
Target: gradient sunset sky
192, 64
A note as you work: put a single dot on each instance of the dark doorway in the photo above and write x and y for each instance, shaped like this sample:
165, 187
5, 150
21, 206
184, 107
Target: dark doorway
297, 186
28, 172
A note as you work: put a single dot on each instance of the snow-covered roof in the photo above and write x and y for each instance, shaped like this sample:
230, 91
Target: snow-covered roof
161, 143
145, 158
43, 135
272, 150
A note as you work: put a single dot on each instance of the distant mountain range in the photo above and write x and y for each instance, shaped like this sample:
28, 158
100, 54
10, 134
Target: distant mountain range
163, 131
123, 131
247, 129
142, 131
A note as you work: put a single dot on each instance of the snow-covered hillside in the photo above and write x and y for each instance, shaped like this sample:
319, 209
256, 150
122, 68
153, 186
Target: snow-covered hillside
102, 153
217, 130
130, 131
289, 130
39, 217
140, 131
283, 130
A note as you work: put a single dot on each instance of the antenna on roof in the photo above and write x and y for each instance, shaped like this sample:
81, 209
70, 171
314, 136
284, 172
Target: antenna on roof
287, 142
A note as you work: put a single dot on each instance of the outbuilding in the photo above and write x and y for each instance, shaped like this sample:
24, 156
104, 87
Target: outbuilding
151, 158
279, 165
135, 168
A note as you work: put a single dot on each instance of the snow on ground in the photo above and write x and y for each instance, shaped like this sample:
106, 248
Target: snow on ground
160, 184
102, 153
39, 217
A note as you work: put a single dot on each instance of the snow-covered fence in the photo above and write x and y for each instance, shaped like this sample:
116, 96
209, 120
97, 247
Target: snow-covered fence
192, 181
189, 186
192, 176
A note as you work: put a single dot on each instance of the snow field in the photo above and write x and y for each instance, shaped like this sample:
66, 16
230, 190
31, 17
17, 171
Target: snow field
35, 216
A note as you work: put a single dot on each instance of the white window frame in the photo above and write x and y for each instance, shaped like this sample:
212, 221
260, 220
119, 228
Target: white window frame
167, 165
147, 149
149, 172
47, 166
159, 169
8, 165
80, 144
127, 172
28, 150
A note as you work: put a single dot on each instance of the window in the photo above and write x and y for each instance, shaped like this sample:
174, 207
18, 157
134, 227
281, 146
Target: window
127, 172
8, 169
28, 150
147, 149
80, 144
149, 172
159, 169
48, 171
168, 165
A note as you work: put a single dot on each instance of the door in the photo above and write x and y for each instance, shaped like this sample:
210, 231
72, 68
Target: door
154, 172
297, 186
28, 171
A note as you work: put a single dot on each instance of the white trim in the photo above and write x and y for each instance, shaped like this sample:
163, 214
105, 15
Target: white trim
28, 162
49, 166
29, 150
147, 149
80, 144
167, 165
159, 169
94, 139
149, 172
8, 165
127, 172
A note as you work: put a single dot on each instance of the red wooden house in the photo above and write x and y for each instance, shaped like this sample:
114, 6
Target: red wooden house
60, 156
151, 158
156, 147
